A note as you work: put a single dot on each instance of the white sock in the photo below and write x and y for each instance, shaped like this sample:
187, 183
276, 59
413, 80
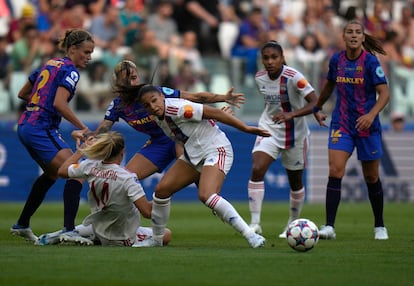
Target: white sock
85, 231
256, 194
297, 198
159, 216
228, 213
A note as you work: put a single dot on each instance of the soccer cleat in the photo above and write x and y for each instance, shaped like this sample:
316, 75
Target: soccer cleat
283, 234
149, 242
49, 238
256, 240
74, 237
25, 232
256, 228
381, 233
327, 232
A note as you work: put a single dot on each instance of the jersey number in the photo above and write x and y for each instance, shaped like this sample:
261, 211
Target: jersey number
103, 200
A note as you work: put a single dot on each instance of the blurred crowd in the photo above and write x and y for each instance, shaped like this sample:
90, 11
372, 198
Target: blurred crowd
173, 41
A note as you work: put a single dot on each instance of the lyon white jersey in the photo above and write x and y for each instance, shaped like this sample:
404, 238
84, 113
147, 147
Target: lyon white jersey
112, 192
284, 94
184, 124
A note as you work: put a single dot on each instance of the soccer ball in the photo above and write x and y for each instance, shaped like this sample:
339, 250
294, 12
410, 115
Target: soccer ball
302, 234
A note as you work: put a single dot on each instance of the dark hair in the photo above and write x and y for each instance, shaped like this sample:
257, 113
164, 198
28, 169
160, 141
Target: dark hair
75, 37
130, 94
371, 44
274, 45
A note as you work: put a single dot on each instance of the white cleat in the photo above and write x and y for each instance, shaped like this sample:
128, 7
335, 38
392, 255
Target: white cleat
49, 238
25, 232
256, 228
327, 232
74, 237
256, 240
380, 233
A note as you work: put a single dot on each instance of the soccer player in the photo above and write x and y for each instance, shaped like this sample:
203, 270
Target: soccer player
362, 93
288, 98
48, 93
159, 151
207, 158
116, 197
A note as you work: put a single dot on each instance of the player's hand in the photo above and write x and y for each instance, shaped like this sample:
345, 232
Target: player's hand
364, 122
258, 131
235, 99
80, 135
320, 118
228, 110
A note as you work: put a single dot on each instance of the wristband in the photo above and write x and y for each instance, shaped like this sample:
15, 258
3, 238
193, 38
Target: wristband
316, 109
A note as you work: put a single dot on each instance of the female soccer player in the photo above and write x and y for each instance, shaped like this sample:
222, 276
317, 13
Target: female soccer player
288, 98
207, 158
48, 93
359, 79
159, 151
116, 197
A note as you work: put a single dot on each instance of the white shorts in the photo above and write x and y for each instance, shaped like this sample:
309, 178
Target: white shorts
222, 156
292, 159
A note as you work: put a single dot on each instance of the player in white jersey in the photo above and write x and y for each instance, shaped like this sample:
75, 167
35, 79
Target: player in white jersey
288, 98
208, 157
116, 197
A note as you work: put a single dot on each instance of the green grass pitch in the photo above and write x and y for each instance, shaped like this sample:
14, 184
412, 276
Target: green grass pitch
205, 251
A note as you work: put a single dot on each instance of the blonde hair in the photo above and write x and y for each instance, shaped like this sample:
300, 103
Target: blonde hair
124, 65
104, 146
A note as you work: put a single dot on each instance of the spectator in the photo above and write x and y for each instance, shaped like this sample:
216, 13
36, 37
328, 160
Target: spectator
5, 76
164, 26
253, 33
94, 90
106, 26
228, 27
188, 52
397, 121
113, 53
145, 54
131, 21
375, 23
309, 57
185, 79
18, 25
26, 51
405, 29
202, 17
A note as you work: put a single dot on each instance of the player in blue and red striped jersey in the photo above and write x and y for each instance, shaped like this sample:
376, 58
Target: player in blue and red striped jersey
48, 92
362, 93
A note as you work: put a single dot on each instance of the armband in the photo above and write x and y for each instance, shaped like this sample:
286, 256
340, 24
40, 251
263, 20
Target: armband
316, 109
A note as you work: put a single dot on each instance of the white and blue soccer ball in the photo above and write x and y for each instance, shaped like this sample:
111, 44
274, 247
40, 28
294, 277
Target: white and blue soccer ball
302, 234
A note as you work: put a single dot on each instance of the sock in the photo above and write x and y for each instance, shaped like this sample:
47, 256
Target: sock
35, 198
85, 231
376, 198
333, 198
256, 194
71, 198
228, 214
296, 200
159, 216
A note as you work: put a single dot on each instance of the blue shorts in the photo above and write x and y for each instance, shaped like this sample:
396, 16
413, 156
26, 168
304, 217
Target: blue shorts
42, 145
160, 151
368, 148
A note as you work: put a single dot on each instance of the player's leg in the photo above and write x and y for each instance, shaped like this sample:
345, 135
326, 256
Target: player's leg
141, 166
369, 152
264, 152
180, 175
